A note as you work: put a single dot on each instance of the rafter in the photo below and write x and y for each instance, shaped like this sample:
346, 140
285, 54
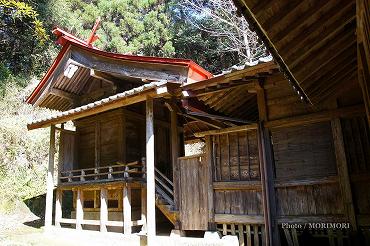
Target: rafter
302, 54
103, 76
64, 94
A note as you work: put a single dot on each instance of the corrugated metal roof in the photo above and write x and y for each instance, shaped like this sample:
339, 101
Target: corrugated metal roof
100, 102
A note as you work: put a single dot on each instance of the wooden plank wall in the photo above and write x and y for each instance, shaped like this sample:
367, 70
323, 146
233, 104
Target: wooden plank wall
305, 153
193, 193
306, 180
236, 156
356, 136
236, 159
67, 150
119, 135
100, 139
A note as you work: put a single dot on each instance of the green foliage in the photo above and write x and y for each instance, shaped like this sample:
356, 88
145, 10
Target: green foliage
191, 42
21, 34
21, 11
4, 72
134, 27
23, 153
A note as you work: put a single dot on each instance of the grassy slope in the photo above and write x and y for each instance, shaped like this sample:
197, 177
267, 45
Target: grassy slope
23, 153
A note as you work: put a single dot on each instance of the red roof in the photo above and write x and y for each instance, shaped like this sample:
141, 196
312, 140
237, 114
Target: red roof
66, 40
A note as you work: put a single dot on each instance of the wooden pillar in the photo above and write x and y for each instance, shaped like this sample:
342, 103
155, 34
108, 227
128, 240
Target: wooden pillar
58, 207
150, 181
127, 221
61, 153
103, 209
209, 178
79, 209
343, 175
143, 209
175, 155
50, 180
266, 169
268, 189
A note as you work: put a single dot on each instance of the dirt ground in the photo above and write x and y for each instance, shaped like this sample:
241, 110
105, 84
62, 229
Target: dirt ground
23, 228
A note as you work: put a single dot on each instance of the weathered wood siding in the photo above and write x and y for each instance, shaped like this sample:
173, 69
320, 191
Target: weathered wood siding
303, 151
135, 139
236, 156
85, 146
119, 135
356, 136
236, 160
193, 193
309, 200
100, 139
239, 202
306, 177
67, 150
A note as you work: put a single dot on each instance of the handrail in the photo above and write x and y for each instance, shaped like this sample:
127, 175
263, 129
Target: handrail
164, 186
120, 164
163, 176
133, 169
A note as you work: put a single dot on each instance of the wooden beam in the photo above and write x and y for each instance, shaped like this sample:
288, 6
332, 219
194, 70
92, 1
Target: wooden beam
103, 209
261, 101
209, 179
227, 130
50, 180
64, 94
308, 181
58, 206
143, 210
314, 72
151, 221
115, 184
103, 76
79, 209
206, 121
308, 46
241, 84
174, 155
239, 219
96, 94
266, 67
268, 190
240, 185
152, 71
85, 111
127, 220
221, 120
344, 180
316, 117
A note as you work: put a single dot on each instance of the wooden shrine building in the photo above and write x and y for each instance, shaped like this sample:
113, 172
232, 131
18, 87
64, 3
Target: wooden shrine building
286, 143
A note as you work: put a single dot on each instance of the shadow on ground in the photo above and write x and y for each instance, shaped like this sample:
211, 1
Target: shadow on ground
37, 206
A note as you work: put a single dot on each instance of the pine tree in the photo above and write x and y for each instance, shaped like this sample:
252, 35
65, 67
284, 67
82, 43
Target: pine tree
138, 27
